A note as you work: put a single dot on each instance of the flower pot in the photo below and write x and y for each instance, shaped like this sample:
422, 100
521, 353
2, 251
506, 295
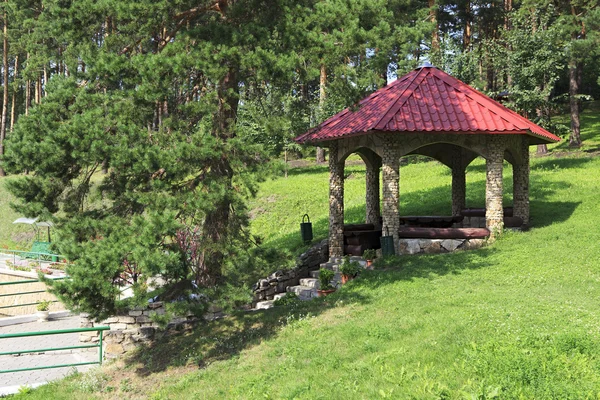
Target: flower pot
43, 316
346, 278
323, 293
369, 264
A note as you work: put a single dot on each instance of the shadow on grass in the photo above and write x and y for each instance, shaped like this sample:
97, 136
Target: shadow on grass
225, 338
560, 163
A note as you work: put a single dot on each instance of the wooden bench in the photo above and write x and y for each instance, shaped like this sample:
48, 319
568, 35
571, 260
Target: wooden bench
431, 221
360, 237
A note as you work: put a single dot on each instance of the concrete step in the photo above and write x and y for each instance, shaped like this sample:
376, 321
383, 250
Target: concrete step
314, 274
310, 282
265, 305
303, 292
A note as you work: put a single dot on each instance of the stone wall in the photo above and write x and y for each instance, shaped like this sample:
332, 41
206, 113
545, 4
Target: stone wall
434, 246
134, 327
278, 281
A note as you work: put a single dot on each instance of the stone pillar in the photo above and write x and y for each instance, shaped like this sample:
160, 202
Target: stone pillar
372, 194
494, 212
336, 203
521, 184
391, 185
459, 183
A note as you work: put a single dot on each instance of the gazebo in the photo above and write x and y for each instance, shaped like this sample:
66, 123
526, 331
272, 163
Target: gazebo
431, 113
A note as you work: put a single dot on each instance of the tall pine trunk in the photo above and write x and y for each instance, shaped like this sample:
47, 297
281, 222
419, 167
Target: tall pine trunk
467, 26
574, 78
5, 85
435, 34
14, 95
322, 94
218, 222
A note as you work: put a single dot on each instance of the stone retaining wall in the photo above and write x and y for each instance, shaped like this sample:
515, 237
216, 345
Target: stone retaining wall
433, 246
278, 281
134, 327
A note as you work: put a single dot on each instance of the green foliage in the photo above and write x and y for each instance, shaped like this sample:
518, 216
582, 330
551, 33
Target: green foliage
349, 268
290, 299
43, 305
369, 254
325, 278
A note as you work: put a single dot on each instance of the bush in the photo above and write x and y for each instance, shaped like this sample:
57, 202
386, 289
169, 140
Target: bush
349, 268
325, 278
369, 254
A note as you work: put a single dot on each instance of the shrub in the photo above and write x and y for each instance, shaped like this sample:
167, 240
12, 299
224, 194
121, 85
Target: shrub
325, 278
369, 254
349, 268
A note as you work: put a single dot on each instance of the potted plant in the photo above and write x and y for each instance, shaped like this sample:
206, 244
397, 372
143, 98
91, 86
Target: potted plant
369, 255
325, 278
349, 269
43, 312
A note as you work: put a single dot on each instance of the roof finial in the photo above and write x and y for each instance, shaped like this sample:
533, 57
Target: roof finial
426, 64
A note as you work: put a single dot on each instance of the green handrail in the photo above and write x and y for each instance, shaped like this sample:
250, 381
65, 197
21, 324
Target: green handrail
99, 329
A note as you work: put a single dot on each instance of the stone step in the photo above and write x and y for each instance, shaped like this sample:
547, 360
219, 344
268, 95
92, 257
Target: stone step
279, 296
310, 282
314, 274
265, 305
327, 265
303, 292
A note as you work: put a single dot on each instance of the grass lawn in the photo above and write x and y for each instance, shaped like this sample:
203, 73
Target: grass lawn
516, 320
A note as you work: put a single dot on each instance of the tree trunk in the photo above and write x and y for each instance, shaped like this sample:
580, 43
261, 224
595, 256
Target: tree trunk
217, 223
435, 34
5, 86
14, 95
574, 70
467, 26
322, 95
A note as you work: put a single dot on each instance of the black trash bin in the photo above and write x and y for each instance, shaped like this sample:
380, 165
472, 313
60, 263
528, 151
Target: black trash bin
306, 229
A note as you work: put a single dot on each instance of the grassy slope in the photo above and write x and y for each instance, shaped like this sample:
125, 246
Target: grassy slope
519, 319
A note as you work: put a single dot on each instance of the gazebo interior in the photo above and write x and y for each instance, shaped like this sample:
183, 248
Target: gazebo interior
430, 113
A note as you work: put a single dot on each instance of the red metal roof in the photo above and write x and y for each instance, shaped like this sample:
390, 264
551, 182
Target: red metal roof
426, 100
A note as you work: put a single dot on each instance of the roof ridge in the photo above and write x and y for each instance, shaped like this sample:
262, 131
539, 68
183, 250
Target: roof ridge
392, 106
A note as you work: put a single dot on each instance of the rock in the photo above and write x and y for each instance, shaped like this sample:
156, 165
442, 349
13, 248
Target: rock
126, 320
264, 283
154, 306
84, 338
472, 244
265, 305
147, 332
142, 319
213, 308
434, 247
115, 327
114, 349
115, 336
135, 313
451, 244
110, 320
409, 246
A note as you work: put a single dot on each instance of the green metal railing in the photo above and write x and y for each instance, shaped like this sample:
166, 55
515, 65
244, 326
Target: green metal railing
98, 329
22, 293
32, 256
